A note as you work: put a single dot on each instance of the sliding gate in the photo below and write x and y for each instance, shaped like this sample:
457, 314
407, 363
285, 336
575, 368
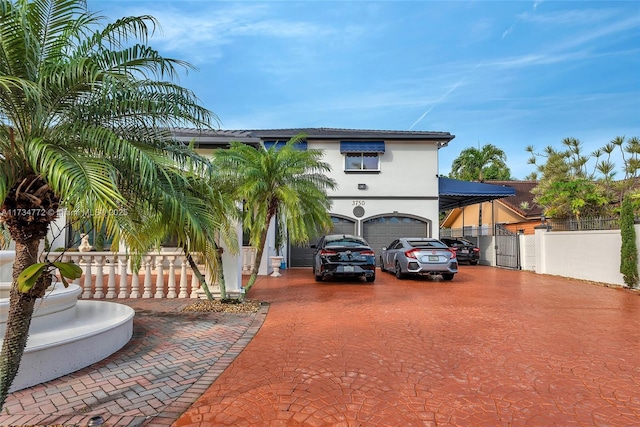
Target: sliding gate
507, 248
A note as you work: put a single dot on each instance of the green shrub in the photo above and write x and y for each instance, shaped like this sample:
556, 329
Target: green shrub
629, 250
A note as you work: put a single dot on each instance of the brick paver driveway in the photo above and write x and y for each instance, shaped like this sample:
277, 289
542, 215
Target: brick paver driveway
493, 347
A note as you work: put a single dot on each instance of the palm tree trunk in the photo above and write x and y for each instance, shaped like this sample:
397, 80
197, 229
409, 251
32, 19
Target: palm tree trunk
201, 279
21, 306
256, 264
221, 282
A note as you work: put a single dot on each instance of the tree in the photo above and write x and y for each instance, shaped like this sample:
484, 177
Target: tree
478, 164
628, 250
85, 119
282, 182
569, 177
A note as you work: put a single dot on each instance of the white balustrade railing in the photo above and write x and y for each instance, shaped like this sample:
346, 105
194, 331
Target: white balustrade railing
248, 258
165, 274
161, 275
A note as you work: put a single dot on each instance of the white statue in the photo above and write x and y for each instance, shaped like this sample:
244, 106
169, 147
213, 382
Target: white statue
84, 243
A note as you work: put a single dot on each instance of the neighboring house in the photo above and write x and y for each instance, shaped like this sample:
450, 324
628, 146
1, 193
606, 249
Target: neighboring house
387, 180
516, 213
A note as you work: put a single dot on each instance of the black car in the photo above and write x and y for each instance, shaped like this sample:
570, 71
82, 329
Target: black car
466, 251
343, 255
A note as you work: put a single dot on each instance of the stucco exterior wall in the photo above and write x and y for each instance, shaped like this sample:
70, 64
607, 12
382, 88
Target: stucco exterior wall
405, 185
407, 169
586, 255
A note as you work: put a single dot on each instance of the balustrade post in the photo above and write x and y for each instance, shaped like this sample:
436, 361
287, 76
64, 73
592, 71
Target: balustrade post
195, 285
172, 277
147, 277
124, 285
111, 283
88, 279
99, 260
159, 276
183, 278
135, 282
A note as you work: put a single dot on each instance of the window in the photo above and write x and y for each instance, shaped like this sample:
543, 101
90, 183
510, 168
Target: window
362, 155
362, 162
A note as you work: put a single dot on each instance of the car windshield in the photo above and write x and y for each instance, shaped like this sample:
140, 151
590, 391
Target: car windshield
346, 242
426, 244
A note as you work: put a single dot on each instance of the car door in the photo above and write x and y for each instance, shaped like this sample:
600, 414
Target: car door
387, 256
397, 250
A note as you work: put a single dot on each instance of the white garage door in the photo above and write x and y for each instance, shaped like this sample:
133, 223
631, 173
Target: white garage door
302, 256
379, 232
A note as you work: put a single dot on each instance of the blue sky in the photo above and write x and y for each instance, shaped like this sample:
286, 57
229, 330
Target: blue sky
508, 73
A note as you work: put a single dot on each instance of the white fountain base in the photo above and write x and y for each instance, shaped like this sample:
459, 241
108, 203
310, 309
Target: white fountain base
67, 335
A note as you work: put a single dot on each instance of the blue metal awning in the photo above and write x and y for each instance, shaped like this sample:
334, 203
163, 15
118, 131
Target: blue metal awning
454, 193
362, 147
302, 145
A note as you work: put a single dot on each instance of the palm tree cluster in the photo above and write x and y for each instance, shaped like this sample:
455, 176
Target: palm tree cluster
85, 116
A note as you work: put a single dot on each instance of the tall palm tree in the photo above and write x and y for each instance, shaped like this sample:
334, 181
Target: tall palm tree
282, 182
85, 113
478, 164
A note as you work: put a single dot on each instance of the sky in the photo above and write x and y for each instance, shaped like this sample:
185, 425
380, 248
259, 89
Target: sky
507, 73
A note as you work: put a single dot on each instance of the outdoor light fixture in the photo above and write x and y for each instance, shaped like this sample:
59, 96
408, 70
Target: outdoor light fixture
362, 186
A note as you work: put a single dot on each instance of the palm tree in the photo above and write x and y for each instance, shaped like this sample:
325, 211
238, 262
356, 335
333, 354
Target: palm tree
85, 114
478, 164
282, 182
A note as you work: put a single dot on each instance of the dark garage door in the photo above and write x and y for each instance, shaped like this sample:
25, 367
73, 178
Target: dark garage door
302, 256
380, 232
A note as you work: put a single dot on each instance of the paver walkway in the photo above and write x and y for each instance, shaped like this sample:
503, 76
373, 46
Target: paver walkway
171, 360
491, 348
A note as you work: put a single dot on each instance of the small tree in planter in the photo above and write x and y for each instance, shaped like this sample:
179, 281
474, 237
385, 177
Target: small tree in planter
629, 250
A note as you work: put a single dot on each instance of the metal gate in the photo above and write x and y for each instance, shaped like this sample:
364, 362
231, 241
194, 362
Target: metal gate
507, 248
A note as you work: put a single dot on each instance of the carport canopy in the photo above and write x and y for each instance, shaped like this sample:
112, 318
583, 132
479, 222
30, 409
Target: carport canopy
454, 193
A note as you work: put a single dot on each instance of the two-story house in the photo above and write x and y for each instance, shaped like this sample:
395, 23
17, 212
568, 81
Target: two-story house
387, 180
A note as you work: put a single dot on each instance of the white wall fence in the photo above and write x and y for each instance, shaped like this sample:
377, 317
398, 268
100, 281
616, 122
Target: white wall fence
586, 255
165, 274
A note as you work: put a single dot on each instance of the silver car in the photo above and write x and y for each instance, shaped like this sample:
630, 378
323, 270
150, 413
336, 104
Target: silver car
419, 256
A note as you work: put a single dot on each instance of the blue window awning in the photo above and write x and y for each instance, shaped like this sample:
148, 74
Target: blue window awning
362, 147
454, 193
302, 145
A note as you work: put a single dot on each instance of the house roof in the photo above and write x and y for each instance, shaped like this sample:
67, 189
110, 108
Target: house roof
456, 194
334, 133
523, 195
214, 137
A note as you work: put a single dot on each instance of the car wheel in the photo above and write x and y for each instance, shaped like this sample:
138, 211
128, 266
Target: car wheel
382, 265
399, 274
371, 279
318, 277
447, 276
474, 262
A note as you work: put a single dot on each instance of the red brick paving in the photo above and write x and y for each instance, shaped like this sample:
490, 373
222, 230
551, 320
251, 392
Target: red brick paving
171, 360
491, 348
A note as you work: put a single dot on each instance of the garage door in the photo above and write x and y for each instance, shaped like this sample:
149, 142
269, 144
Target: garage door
302, 256
379, 232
